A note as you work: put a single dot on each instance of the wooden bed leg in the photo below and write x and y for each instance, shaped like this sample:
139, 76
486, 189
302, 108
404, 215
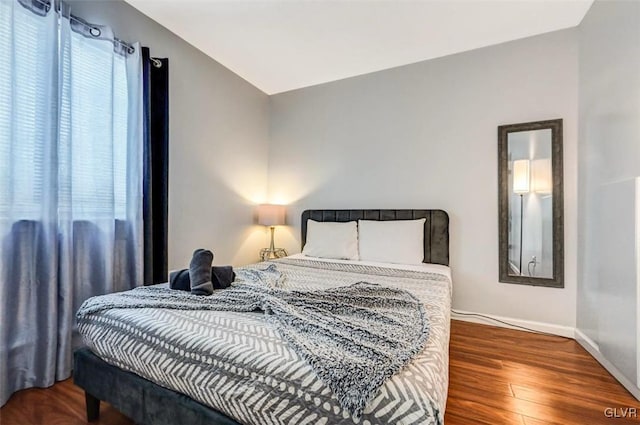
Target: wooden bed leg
93, 407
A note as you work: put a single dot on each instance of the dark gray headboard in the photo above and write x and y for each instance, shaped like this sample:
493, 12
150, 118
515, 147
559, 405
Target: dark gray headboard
436, 226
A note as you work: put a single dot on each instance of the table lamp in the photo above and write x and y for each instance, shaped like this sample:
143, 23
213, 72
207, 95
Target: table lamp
272, 216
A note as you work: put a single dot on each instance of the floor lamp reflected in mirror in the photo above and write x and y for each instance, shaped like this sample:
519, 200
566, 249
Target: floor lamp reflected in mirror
520, 187
272, 216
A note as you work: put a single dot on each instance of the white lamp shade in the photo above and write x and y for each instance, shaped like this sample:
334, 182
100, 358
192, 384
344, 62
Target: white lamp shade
521, 176
271, 215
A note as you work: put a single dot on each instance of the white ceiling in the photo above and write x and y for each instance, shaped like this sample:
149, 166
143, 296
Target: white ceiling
283, 45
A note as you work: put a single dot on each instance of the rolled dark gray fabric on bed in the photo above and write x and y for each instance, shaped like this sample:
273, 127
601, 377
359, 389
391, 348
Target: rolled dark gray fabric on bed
199, 273
221, 277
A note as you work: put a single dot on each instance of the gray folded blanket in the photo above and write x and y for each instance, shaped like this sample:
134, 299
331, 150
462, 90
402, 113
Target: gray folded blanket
354, 337
221, 277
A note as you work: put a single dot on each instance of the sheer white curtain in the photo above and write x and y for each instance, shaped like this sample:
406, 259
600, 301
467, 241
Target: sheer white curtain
70, 184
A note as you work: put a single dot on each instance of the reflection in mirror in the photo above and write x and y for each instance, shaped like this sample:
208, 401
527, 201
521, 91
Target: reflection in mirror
531, 204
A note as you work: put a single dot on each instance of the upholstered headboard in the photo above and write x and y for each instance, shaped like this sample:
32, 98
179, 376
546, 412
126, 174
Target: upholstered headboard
436, 226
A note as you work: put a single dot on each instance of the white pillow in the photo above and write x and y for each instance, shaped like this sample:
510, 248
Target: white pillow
393, 241
332, 240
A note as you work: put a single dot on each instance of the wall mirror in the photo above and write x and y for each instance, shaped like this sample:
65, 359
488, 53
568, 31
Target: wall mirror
531, 203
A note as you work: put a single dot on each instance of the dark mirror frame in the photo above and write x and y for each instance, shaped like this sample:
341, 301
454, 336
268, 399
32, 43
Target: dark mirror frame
558, 203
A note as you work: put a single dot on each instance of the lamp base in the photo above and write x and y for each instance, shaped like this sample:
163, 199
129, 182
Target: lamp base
272, 253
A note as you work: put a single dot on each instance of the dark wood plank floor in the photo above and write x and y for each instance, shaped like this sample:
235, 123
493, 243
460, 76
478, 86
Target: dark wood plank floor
497, 376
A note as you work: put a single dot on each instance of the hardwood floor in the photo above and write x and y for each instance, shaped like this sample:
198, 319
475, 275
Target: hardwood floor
61, 404
497, 376
501, 376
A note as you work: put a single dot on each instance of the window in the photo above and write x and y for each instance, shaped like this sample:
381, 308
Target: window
25, 107
93, 150
66, 140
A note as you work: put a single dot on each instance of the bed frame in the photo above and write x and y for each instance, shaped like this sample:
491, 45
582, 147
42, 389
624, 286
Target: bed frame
139, 399
150, 404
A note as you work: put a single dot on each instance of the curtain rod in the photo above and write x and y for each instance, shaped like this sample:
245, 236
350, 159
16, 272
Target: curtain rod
93, 29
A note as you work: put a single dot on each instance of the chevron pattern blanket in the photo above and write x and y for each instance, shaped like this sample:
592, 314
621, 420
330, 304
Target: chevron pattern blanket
354, 337
323, 354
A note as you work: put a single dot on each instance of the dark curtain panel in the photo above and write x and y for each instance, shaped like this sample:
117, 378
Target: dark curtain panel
156, 167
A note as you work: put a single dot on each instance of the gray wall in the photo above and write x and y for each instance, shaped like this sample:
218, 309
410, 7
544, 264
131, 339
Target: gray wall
218, 142
609, 163
425, 136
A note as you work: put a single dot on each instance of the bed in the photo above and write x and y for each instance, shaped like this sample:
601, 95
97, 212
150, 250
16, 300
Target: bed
255, 377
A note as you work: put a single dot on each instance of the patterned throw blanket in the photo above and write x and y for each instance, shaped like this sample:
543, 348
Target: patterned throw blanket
354, 337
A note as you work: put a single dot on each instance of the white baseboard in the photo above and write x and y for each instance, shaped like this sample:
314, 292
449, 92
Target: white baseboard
593, 349
565, 331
